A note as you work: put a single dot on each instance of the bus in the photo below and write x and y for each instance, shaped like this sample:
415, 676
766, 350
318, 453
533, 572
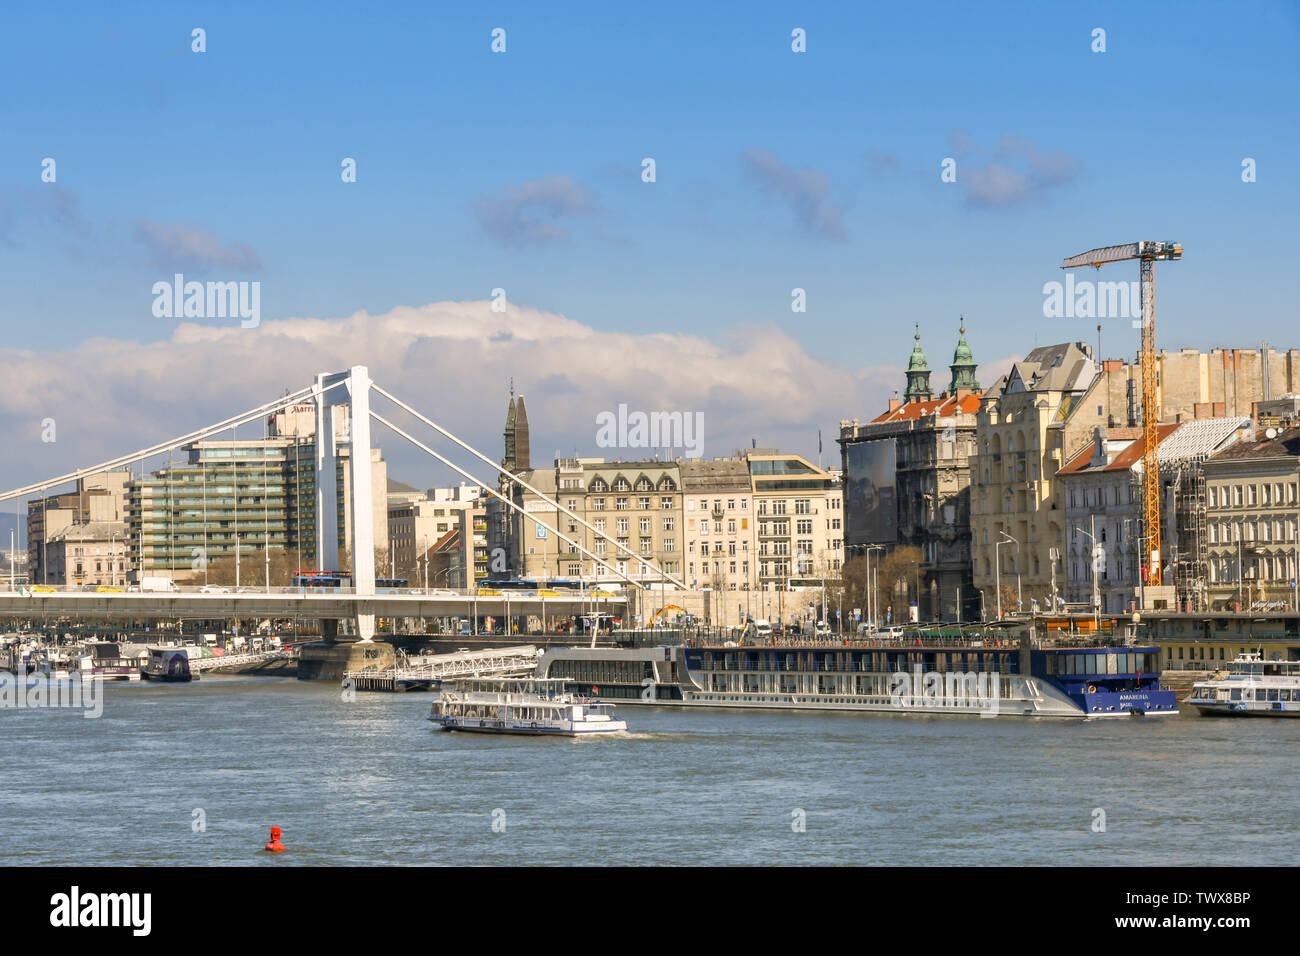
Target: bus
502, 586
336, 581
328, 581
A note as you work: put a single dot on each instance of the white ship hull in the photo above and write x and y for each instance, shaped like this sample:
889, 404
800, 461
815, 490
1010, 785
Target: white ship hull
531, 728
1247, 708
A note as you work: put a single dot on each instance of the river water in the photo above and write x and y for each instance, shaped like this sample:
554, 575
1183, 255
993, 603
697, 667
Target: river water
196, 774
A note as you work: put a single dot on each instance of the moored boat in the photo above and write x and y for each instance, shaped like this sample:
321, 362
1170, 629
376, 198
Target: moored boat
169, 664
973, 677
1253, 687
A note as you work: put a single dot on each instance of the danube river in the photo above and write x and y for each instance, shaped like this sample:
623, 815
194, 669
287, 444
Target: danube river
198, 773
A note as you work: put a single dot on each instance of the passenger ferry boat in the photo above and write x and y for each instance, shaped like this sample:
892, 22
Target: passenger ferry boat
1254, 687
526, 705
1006, 679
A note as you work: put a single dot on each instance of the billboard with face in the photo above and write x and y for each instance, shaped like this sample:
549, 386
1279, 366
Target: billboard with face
870, 496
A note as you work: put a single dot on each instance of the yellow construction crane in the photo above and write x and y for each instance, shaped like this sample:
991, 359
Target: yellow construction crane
1147, 253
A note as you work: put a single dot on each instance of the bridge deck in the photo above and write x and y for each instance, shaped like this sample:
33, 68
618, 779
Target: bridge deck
292, 602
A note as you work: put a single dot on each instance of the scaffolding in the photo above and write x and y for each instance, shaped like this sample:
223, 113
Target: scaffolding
1191, 551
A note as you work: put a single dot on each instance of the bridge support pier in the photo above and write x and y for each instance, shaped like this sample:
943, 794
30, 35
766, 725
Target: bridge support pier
365, 623
330, 658
330, 661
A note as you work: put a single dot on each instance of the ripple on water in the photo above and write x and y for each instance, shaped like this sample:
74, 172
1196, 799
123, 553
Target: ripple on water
372, 782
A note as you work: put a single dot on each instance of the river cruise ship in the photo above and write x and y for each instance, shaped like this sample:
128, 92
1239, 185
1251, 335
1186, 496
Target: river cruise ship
987, 678
1254, 687
527, 705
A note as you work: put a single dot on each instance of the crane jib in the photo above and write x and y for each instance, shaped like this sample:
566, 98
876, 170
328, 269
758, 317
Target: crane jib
1129, 250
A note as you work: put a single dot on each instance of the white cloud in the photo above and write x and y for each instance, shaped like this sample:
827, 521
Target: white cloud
451, 360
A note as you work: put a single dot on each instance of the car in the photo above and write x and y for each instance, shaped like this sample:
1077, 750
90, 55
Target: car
105, 589
214, 589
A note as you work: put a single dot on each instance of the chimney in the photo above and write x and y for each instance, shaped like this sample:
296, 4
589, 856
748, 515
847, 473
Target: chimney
893, 404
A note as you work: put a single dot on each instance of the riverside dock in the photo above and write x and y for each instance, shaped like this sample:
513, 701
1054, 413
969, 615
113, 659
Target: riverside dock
423, 672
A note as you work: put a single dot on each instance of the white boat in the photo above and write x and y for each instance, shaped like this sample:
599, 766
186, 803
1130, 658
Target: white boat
527, 705
1254, 687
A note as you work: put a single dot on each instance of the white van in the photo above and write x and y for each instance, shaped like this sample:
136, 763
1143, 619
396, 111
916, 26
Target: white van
156, 584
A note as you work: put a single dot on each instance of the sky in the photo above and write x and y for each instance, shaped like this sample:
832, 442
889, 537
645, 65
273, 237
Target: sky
522, 171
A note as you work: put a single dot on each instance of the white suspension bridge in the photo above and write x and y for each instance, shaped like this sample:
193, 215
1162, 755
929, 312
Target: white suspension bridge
341, 402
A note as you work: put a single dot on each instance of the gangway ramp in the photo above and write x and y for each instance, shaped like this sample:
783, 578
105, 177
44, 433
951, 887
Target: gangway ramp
423, 672
239, 660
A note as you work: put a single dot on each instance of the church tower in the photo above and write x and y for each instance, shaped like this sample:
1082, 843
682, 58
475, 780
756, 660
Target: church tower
518, 456
508, 462
963, 366
918, 374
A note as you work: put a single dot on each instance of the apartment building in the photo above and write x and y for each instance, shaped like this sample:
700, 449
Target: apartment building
1251, 514
718, 526
799, 512
97, 498
89, 554
635, 508
444, 522
1017, 513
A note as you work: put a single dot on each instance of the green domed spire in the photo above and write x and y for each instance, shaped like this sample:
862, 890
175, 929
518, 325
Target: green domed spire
963, 366
918, 373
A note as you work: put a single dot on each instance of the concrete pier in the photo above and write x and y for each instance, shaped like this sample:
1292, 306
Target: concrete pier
331, 661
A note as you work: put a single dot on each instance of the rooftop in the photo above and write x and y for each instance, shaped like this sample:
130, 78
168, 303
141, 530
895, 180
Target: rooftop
943, 406
1284, 444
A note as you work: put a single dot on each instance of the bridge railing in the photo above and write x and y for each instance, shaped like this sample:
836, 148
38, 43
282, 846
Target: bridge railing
215, 589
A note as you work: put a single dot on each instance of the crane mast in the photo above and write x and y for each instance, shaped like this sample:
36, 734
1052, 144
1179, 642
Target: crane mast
1147, 254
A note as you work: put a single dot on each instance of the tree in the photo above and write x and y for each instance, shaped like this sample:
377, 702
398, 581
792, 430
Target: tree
898, 579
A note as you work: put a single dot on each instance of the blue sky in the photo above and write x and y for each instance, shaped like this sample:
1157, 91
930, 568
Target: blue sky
775, 169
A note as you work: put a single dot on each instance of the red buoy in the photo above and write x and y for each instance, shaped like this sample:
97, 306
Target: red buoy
274, 845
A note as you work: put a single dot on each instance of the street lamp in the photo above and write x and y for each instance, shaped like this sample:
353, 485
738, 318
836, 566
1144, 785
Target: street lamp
873, 611
1096, 597
998, 579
